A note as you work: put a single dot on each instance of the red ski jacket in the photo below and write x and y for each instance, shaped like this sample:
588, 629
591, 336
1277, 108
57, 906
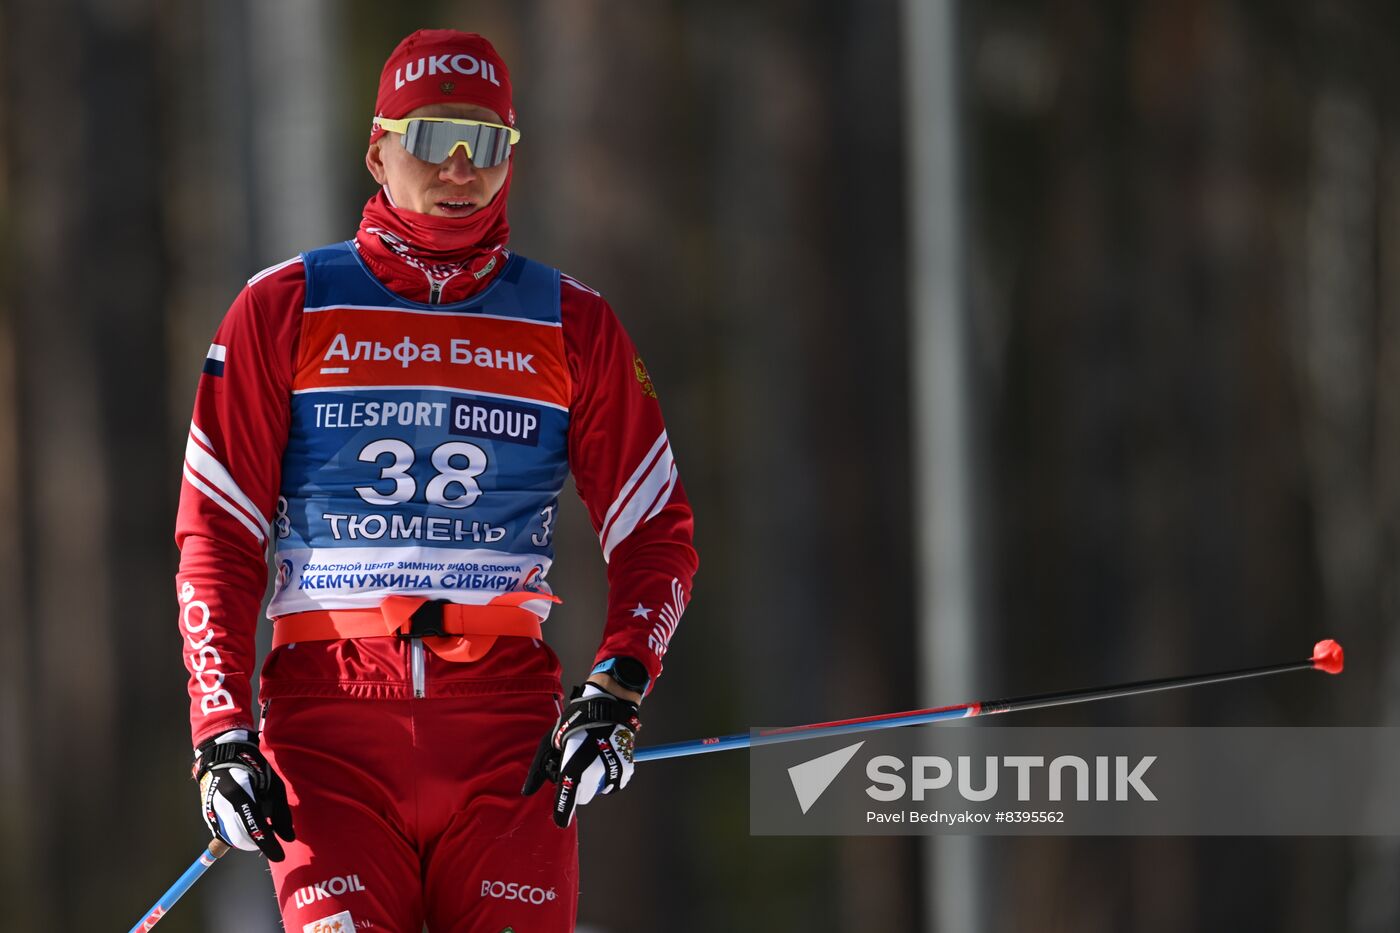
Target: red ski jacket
277, 448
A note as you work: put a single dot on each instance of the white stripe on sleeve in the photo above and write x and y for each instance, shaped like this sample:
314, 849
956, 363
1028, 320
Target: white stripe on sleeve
201, 437
271, 269
570, 280
223, 503
665, 496
202, 462
628, 486
652, 490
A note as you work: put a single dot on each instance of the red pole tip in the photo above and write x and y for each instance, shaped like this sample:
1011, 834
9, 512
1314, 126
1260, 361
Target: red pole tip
1327, 656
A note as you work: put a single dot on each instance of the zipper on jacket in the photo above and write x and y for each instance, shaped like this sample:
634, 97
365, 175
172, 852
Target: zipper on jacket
436, 285
418, 667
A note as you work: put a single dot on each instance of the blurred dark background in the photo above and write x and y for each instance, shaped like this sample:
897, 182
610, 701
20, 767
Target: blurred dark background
1006, 347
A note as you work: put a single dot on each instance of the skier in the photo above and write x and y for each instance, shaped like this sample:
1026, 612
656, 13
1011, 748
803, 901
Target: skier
394, 417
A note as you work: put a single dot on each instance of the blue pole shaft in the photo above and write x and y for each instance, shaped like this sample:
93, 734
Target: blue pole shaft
801, 733
209, 856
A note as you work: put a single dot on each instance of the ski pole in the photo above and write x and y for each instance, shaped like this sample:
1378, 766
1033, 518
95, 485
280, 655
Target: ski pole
1326, 656
217, 847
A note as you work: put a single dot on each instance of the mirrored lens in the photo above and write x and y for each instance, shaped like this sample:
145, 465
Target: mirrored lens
434, 142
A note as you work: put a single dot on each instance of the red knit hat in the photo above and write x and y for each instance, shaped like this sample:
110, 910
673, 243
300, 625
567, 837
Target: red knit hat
434, 66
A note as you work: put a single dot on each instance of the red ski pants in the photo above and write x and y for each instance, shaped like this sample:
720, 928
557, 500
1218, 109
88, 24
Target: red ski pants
409, 812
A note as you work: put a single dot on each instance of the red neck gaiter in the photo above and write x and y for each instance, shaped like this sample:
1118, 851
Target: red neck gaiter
437, 260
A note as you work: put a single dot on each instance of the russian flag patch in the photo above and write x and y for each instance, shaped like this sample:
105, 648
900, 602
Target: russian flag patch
214, 362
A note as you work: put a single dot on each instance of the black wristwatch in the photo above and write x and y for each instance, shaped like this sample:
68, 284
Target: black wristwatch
629, 673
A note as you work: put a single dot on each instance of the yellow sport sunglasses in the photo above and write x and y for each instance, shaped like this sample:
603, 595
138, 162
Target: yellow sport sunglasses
433, 139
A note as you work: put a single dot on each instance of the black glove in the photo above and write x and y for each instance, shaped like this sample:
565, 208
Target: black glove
588, 752
245, 802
